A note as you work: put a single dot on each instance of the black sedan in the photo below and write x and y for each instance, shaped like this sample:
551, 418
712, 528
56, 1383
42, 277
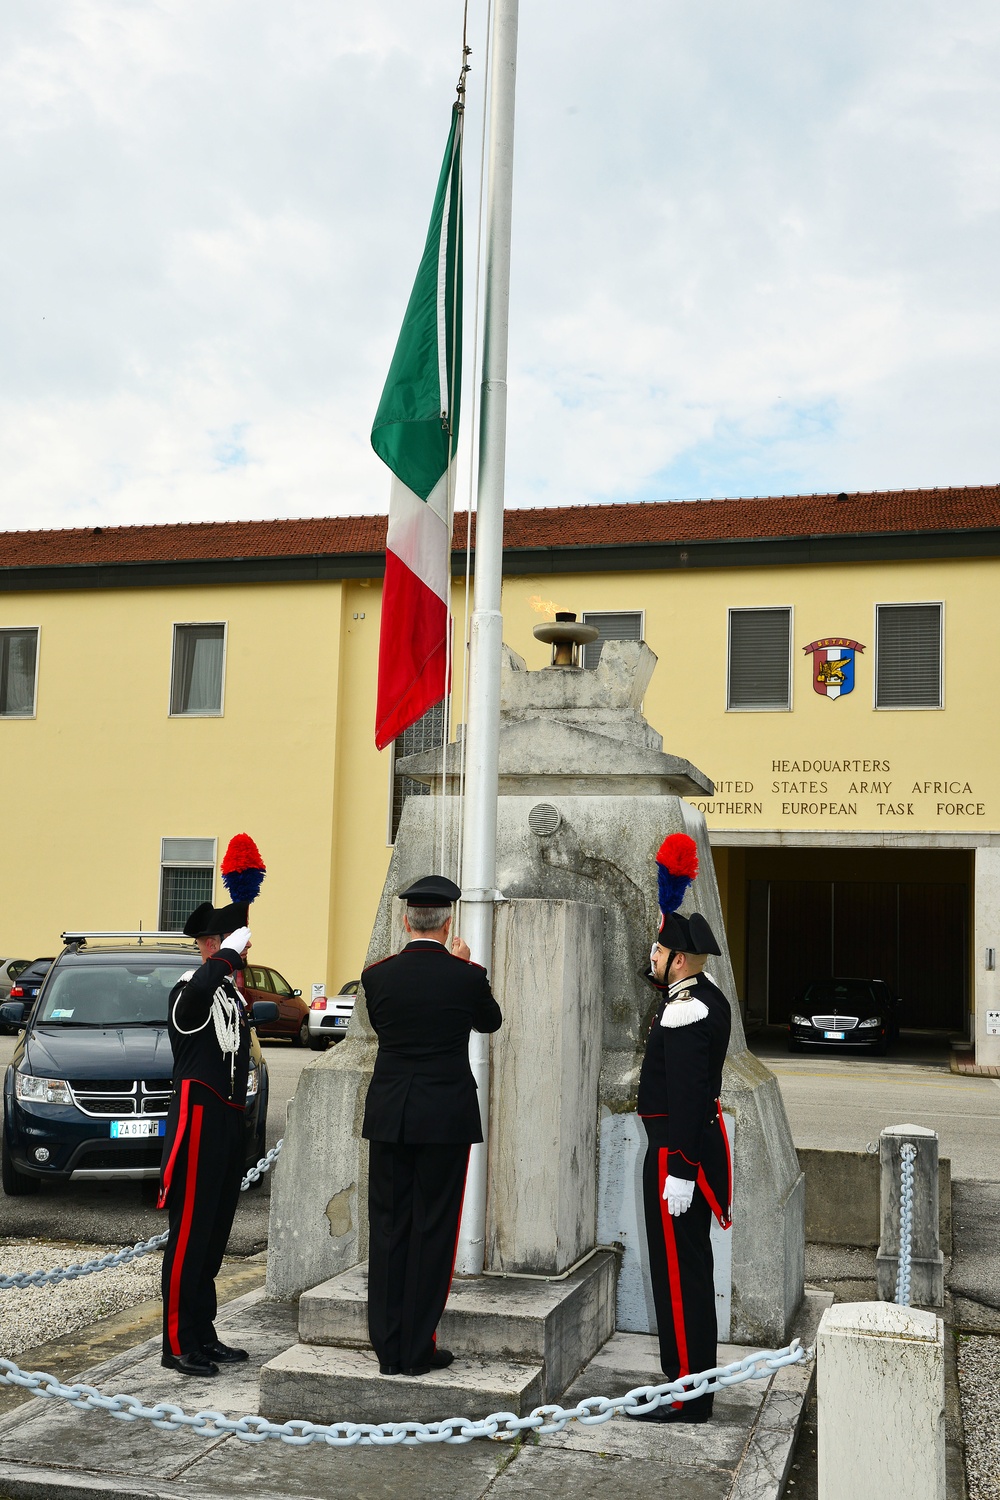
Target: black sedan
844, 1013
25, 988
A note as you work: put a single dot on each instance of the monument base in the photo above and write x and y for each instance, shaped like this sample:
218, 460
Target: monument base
518, 1340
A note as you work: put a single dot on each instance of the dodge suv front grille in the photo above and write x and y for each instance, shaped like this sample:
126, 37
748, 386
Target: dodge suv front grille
117, 1098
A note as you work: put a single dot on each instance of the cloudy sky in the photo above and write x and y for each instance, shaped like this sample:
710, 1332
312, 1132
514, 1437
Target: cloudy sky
755, 248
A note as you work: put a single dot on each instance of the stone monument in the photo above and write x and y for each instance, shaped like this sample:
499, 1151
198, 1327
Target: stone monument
586, 796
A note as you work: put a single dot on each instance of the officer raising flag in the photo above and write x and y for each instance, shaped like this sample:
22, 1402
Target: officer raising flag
203, 1154
687, 1172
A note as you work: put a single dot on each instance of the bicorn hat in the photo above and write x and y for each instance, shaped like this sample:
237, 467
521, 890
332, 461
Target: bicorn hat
676, 868
215, 921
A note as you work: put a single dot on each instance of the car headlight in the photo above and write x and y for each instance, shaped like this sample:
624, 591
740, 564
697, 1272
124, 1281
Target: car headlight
42, 1090
799, 1021
872, 1021
253, 1081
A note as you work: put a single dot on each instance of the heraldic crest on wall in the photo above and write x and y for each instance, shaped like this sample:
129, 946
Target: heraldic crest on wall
833, 665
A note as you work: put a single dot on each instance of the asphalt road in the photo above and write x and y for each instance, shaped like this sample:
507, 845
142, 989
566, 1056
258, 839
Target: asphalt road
100, 1213
841, 1103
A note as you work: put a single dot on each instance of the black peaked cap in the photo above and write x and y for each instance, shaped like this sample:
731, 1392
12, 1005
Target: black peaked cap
687, 934
216, 921
431, 890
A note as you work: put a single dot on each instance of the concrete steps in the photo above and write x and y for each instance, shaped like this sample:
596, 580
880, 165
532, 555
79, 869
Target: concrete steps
517, 1342
325, 1384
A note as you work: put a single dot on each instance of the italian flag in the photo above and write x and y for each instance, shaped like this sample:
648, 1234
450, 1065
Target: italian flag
416, 434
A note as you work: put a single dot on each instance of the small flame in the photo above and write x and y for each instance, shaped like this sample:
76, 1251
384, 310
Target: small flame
543, 606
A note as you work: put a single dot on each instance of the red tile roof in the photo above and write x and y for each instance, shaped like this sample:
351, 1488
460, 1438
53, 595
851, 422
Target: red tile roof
624, 524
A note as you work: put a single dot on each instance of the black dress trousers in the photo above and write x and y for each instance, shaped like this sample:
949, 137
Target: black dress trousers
414, 1206
203, 1170
681, 1270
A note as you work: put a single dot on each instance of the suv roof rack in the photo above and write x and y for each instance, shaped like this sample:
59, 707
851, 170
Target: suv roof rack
175, 937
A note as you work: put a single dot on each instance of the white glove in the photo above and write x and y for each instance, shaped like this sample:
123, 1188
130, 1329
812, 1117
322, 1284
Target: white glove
677, 1195
237, 941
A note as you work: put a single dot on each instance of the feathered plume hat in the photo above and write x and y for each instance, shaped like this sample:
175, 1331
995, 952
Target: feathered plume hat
676, 868
243, 870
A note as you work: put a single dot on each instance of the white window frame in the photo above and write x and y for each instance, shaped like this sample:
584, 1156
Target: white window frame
184, 864
181, 625
640, 612
908, 708
23, 718
742, 609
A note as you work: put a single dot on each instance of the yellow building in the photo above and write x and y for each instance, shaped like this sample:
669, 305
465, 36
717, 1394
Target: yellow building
825, 659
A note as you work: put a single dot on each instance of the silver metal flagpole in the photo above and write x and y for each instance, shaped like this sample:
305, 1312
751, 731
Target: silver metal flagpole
479, 830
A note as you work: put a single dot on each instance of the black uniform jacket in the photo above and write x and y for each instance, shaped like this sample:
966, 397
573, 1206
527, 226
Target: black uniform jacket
197, 1054
680, 1083
423, 1003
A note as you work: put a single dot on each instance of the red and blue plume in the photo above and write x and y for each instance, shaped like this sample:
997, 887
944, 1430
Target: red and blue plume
677, 865
242, 868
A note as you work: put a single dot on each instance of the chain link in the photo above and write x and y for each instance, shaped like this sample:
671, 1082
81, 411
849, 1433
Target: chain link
907, 1154
22, 1279
500, 1424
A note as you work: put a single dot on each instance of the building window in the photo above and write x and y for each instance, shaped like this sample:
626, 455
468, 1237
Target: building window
18, 673
187, 878
760, 659
615, 625
197, 670
426, 734
908, 656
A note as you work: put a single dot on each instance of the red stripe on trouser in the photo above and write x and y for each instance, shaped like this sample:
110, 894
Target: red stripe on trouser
729, 1162
177, 1269
168, 1170
458, 1235
674, 1273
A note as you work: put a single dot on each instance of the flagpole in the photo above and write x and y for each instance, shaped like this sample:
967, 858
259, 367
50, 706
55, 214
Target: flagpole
479, 829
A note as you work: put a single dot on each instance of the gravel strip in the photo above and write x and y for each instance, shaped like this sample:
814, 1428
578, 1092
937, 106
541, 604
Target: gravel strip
38, 1314
978, 1382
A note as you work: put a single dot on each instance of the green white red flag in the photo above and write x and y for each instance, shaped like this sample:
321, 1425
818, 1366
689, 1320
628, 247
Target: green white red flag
416, 434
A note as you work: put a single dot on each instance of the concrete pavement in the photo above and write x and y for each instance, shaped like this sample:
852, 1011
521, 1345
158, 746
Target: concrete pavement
49, 1449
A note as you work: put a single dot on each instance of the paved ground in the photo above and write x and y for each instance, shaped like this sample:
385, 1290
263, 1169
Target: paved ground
100, 1213
842, 1103
50, 1450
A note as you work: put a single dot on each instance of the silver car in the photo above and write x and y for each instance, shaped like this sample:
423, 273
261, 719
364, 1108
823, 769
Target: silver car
330, 1018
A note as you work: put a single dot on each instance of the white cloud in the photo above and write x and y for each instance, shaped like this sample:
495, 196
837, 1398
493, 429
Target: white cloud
754, 248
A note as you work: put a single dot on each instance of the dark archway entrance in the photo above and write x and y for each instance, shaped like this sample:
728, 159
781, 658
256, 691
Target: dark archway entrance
876, 918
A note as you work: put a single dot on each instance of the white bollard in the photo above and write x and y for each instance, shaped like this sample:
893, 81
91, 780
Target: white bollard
880, 1390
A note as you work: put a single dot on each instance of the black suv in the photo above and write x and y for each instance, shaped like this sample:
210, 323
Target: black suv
87, 1090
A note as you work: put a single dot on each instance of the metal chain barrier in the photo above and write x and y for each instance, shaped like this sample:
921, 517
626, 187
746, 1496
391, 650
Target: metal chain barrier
500, 1425
907, 1154
22, 1279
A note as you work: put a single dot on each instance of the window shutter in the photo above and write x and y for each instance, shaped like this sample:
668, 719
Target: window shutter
187, 851
616, 625
759, 668
908, 665
426, 734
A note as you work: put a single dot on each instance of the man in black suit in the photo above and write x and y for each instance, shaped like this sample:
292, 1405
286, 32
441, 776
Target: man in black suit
421, 1117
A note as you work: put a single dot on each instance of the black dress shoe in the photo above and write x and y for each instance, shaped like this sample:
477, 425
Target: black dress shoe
223, 1355
190, 1364
390, 1369
438, 1359
666, 1413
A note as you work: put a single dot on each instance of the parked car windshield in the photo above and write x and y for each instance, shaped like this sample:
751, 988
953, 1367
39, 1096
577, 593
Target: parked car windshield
120, 994
838, 993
